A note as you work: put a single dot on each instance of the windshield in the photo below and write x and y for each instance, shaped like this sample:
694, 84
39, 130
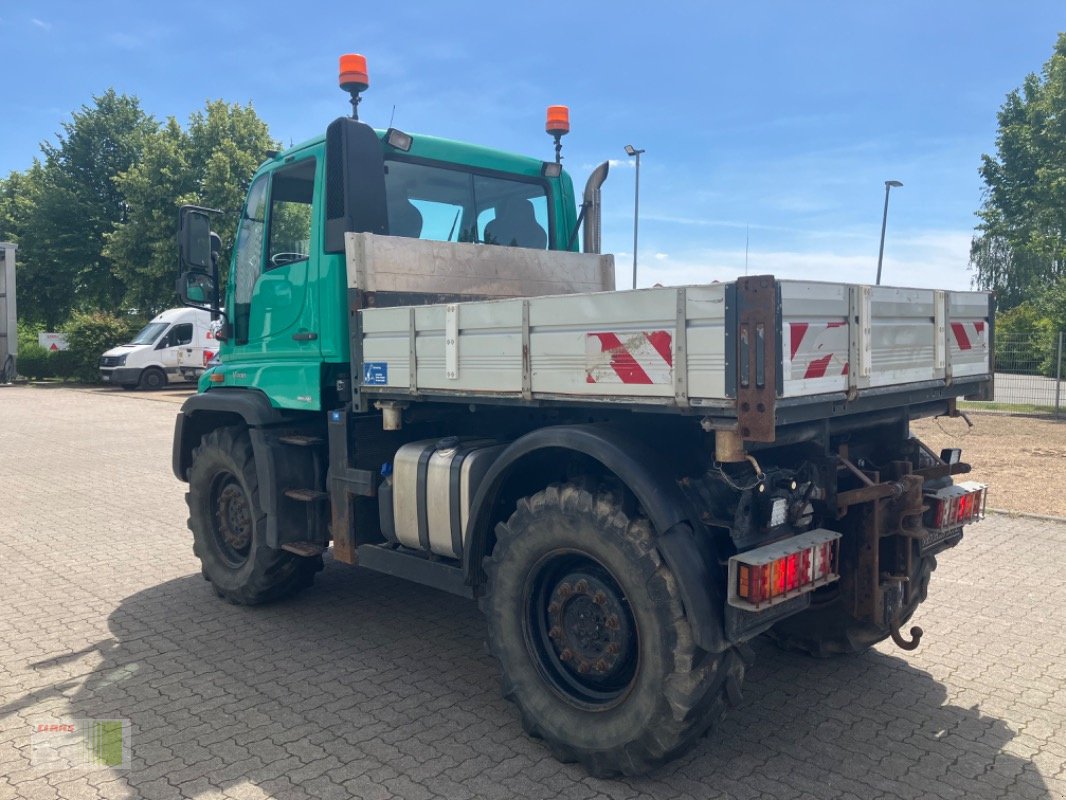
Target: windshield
451, 205
150, 332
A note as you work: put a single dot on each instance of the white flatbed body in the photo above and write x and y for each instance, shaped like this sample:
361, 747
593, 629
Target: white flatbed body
702, 349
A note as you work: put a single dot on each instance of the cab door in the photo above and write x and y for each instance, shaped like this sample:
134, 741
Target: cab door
172, 345
275, 319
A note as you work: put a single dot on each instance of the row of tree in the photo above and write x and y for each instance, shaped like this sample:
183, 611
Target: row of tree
95, 215
1019, 250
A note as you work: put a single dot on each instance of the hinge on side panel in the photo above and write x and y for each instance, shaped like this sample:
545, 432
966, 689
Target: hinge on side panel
758, 358
680, 354
860, 348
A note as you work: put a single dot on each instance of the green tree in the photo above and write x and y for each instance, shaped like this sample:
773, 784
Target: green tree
79, 202
60, 209
1020, 246
210, 164
31, 214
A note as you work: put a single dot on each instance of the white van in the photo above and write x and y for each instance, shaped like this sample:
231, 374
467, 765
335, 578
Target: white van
175, 346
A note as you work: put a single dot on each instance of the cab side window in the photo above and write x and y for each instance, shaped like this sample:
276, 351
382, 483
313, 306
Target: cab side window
248, 260
290, 214
177, 336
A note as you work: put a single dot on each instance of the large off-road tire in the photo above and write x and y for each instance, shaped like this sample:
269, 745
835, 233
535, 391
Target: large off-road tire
228, 525
828, 629
587, 623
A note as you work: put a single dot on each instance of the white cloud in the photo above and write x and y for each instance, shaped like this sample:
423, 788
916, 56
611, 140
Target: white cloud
926, 259
661, 256
40, 23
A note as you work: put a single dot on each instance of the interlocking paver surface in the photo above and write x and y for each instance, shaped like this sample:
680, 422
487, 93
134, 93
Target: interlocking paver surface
367, 686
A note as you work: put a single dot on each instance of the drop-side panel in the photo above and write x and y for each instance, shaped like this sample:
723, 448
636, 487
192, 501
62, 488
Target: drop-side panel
967, 334
902, 336
616, 344
850, 338
673, 346
415, 267
598, 346
814, 337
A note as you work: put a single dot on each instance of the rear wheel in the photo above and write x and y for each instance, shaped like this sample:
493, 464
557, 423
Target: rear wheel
829, 629
153, 378
228, 525
587, 623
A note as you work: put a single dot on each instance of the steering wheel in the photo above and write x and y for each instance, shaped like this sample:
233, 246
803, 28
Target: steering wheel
281, 259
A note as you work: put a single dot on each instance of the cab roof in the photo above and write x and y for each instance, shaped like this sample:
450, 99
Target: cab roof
448, 150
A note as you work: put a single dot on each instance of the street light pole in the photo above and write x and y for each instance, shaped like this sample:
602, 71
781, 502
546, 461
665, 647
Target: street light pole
632, 151
884, 224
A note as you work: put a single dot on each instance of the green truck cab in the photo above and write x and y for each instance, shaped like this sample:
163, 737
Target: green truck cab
287, 335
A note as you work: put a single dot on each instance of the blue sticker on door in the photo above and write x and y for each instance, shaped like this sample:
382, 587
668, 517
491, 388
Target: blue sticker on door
376, 373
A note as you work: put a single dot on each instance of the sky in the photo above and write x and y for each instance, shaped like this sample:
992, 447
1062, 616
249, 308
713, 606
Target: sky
769, 128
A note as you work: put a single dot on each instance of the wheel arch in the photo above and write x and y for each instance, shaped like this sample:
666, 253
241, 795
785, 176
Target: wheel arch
219, 408
644, 472
251, 410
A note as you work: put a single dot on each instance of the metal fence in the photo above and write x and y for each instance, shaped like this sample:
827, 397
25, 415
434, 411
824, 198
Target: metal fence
1030, 372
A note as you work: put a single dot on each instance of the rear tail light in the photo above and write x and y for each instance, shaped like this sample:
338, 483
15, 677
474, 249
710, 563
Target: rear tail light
770, 575
955, 506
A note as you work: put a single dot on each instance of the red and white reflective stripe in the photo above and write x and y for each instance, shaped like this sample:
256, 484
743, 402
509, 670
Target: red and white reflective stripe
818, 349
645, 357
969, 335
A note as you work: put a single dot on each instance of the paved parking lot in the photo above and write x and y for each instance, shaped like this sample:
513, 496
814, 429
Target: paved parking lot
366, 686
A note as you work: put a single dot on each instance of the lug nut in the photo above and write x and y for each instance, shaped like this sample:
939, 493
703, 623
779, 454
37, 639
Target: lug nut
565, 590
553, 607
601, 666
555, 633
582, 586
566, 655
612, 622
599, 598
583, 667
612, 649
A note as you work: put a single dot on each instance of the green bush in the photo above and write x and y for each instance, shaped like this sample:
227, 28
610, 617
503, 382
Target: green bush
34, 362
89, 335
27, 333
1025, 341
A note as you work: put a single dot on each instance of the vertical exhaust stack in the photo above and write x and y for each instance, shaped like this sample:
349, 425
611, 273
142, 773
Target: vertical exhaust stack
591, 208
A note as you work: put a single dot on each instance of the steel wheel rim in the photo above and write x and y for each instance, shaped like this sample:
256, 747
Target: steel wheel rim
580, 630
232, 518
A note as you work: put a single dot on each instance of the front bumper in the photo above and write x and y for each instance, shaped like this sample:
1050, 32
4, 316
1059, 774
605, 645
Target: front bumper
120, 376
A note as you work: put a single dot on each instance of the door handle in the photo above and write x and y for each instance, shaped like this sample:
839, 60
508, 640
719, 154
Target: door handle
305, 336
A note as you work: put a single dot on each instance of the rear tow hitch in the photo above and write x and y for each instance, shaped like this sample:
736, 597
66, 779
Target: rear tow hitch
897, 637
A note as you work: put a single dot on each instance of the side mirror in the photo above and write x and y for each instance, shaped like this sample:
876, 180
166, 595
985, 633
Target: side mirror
355, 182
196, 288
194, 239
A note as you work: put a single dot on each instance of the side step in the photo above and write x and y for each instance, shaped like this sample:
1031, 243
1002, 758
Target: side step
304, 548
306, 495
299, 440
414, 566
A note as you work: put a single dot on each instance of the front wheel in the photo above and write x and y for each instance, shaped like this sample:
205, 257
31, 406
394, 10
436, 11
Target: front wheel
587, 623
152, 378
228, 525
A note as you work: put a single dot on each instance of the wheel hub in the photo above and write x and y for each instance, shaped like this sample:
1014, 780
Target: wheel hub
589, 627
233, 522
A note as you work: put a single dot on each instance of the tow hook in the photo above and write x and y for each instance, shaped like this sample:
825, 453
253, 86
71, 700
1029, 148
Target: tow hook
897, 637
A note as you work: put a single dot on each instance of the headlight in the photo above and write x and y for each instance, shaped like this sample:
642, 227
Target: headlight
120, 361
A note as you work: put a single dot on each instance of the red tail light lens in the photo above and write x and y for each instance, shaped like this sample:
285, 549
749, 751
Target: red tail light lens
777, 572
955, 506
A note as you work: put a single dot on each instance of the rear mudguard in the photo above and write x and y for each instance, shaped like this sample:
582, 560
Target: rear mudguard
652, 480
